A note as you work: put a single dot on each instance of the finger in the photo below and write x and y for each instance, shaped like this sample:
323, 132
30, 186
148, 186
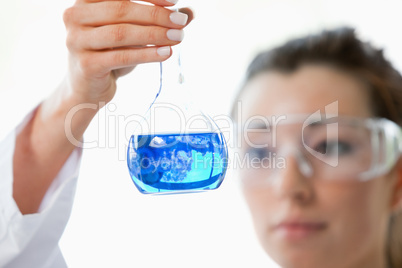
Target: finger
155, 2
161, 2
101, 63
189, 12
115, 12
123, 35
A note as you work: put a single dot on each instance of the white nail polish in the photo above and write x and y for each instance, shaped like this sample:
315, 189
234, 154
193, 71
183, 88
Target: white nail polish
178, 18
163, 51
175, 35
173, 1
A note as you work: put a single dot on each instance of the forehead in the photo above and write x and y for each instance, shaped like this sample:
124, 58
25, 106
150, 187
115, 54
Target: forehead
305, 91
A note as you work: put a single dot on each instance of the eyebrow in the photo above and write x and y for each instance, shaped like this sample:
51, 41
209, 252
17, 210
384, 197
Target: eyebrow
324, 121
259, 125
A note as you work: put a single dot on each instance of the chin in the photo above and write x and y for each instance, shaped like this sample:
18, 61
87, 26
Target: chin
298, 257
298, 262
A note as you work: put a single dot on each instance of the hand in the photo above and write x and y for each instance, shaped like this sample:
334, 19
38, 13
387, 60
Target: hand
107, 39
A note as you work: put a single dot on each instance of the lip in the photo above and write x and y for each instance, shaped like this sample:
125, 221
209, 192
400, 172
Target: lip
299, 229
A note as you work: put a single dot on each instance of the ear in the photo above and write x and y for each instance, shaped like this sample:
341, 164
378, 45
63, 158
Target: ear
397, 190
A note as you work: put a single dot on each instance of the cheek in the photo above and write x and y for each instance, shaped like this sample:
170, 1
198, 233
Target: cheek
357, 211
358, 198
262, 207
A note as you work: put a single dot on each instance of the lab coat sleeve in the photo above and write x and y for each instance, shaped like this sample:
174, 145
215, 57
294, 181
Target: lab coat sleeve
32, 240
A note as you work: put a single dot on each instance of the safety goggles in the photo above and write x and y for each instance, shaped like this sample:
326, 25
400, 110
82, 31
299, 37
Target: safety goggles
331, 148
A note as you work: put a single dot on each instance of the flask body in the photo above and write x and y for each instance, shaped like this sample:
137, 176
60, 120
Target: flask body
177, 163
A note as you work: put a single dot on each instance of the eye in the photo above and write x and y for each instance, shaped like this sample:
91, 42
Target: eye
259, 153
331, 147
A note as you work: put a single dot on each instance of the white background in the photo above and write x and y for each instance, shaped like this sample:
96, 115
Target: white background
112, 224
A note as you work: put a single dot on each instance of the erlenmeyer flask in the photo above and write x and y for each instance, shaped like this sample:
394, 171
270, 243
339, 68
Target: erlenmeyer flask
177, 148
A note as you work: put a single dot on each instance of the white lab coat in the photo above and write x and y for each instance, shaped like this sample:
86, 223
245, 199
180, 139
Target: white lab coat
32, 240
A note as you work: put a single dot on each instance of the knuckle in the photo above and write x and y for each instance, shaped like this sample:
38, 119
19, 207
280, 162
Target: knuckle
118, 33
121, 9
71, 40
122, 58
155, 13
69, 14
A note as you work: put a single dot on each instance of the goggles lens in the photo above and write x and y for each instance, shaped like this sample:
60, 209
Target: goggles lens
336, 148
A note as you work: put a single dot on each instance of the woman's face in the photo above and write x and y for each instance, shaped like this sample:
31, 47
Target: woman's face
306, 221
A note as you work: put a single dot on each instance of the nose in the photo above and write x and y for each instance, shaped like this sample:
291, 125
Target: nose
294, 180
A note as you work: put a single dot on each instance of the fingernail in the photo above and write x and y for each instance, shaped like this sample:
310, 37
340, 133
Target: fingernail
175, 35
163, 51
179, 18
173, 1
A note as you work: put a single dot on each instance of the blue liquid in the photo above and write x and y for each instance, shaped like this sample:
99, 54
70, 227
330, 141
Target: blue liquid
169, 163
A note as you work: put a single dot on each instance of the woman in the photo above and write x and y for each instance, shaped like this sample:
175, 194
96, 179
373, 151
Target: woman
329, 194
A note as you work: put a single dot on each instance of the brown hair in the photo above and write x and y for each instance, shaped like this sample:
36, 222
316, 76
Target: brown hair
342, 49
